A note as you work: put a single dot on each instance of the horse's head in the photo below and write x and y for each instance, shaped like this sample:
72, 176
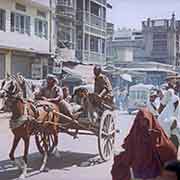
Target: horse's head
9, 88
10, 91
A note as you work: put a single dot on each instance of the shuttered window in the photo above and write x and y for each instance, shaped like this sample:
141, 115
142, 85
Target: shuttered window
12, 22
41, 28
28, 25
20, 23
2, 19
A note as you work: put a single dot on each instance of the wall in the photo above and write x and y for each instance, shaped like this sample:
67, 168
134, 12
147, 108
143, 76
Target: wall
18, 40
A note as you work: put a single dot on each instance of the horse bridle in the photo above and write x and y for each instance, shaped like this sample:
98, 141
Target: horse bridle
16, 92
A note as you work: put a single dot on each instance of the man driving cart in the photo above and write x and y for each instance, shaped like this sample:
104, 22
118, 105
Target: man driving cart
102, 86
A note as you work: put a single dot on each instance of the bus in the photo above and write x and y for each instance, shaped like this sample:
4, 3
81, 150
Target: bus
138, 96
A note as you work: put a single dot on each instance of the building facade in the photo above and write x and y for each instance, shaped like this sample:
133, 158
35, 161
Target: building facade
110, 30
66, 29
81, 30
91, 31
127, 45
162, 38
24, 38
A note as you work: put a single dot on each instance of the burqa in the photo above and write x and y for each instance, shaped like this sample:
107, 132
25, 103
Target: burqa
147, 148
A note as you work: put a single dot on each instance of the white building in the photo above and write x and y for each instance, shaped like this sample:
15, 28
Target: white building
126, 46
162, 37
91, 31
24, 37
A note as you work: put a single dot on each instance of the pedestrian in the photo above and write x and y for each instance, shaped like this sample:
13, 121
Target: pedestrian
146, 149
151, 104
174, 168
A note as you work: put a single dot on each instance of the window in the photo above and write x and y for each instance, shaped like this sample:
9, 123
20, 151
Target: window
159, 36
41, 14
137, 33
138, 37
20, 7
103, 46
161, 44
2, 20
95, 9
20, 23
122, 38
65, 2
41, 28
94, 44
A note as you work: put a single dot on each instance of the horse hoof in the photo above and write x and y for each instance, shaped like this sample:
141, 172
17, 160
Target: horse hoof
11, 157
57, 154
44, 170
23, 176
18, 164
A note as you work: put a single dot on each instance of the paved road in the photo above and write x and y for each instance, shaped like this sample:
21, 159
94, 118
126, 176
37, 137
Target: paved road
78, 158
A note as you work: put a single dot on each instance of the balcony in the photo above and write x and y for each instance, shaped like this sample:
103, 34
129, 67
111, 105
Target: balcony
93, 57
95, 21
90, 57
66, 12
64, 3
101, 2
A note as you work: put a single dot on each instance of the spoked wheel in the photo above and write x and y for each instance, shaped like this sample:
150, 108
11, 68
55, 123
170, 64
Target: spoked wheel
106, 138
46, 142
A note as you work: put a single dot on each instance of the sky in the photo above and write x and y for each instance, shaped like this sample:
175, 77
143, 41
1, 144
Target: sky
130, 13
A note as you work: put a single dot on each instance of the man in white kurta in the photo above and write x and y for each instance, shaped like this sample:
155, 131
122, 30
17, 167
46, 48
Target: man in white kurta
152, 104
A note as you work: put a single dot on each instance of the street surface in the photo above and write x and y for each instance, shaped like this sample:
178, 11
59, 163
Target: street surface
78, 159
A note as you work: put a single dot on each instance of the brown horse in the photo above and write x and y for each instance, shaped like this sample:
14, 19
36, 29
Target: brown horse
27, 120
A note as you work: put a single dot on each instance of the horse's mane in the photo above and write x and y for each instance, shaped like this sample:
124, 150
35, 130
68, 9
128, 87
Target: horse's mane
28, 88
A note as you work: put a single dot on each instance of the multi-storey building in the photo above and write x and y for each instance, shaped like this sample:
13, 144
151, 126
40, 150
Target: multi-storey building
66, 29
162, 40
91, 31
65, 22
126, 46
24, 38
110, 33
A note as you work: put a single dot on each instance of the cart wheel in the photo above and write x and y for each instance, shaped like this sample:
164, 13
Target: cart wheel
106, 136
46, 142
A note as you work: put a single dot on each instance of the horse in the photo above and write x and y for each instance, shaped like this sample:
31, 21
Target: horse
27, 119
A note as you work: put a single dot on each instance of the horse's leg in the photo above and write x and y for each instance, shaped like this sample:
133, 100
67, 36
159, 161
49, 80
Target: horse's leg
26, 149
11, 154
45, 155
15, 143
56, 151
24, 160
45, 158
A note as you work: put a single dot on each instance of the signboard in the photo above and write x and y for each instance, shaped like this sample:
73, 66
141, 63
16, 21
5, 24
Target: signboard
36, 71
57, 66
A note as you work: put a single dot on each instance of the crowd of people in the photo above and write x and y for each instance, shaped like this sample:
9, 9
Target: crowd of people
149, 151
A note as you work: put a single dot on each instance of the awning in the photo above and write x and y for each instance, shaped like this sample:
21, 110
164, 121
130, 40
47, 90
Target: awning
84, 72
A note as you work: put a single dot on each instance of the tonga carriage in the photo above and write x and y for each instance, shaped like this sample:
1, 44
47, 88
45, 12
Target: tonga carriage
103, 129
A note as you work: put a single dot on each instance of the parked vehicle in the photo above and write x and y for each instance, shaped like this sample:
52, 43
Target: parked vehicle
138, 96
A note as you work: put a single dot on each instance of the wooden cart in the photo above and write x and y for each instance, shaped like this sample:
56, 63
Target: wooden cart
104, 130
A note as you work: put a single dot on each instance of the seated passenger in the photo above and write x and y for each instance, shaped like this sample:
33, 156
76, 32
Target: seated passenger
51, 92
66, 94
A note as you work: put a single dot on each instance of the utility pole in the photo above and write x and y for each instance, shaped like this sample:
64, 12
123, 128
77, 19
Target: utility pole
50, 26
